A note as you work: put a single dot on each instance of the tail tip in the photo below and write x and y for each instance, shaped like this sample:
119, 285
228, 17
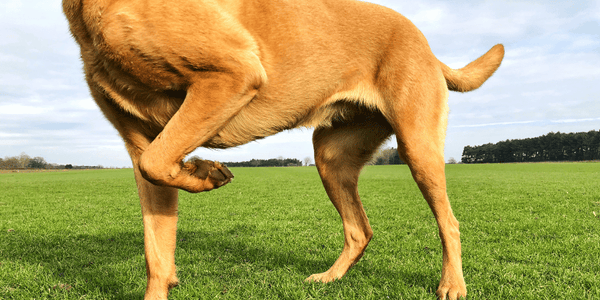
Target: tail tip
498, 49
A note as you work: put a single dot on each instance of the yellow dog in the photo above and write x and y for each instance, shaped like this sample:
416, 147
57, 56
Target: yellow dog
172, 76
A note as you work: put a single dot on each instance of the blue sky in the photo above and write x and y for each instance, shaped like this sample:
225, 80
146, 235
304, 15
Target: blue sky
549, 80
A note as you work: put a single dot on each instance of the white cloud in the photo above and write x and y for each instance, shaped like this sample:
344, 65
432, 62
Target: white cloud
585, 42
12, 135
575, 120
82, 104
9, 58
527, 122
20, 109
495, 124
431, 17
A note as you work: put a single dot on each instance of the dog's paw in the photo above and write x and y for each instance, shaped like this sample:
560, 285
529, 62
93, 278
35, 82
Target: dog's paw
452, 292
322, 277
173, 282
213, 174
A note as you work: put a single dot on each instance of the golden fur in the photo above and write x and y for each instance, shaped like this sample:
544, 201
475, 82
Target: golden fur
172, 76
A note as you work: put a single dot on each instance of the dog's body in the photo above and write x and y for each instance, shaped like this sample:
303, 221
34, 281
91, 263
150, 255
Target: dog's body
172, 76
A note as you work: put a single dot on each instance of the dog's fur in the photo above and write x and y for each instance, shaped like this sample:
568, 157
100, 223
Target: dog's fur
172, 76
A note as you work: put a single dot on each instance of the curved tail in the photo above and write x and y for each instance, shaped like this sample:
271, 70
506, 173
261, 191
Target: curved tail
473, 75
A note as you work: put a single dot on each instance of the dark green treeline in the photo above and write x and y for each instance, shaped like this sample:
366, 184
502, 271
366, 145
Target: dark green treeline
550, 147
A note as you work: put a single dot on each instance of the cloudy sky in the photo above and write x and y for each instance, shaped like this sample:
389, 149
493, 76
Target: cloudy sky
549, 80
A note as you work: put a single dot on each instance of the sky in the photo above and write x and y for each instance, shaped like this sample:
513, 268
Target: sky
549, 80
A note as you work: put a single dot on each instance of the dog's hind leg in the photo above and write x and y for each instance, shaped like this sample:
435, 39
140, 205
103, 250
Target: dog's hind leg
419, 122
427, 167
340, 153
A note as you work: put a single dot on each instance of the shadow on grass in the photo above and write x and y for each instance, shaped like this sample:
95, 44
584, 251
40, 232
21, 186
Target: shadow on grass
298, 256
112, 266
242, 244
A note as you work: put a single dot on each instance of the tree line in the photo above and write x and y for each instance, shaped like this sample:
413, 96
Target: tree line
273, 162
387, 156
557, 146
24, 161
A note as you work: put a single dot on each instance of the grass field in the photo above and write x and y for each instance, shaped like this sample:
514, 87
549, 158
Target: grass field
528, 232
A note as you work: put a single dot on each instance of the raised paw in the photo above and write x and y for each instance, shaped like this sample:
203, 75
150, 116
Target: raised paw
214, 173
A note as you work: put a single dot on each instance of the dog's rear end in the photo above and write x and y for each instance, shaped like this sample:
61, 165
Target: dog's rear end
173, 76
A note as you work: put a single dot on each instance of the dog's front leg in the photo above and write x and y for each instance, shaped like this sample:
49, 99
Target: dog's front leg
159, 211
159, 205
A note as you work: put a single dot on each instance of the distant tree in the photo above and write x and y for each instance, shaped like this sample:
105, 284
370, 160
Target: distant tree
255, 162
381, 157
307, 160
23, 160
69, 166
37, 163
273, 162
10, 163
451, 160
388, 156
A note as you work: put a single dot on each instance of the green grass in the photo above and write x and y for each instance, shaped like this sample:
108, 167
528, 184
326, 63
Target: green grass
528, 232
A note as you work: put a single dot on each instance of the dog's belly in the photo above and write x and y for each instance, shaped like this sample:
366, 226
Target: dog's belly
266, 116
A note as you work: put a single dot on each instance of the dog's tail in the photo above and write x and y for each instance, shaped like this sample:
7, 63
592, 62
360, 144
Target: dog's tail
474, 74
